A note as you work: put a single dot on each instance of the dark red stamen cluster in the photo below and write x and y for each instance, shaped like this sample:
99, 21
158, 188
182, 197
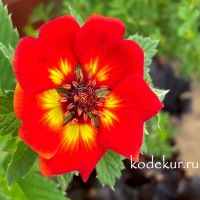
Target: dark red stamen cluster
82, 100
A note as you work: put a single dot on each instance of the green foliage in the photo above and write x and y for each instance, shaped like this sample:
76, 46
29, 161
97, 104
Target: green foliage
14, 193
32, 187
39, 188
74, 13
8, 40
8, 143
21, 162
8, 35
148, 45
109, 168
157, 143
174, 23
7, 52
65, 180
160, 93
3, 196
8, 122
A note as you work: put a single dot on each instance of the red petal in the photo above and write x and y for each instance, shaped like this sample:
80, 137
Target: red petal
41, 139
78, 152
124, 138
38, 63
38, 130
130, 104
101, 49
19, 101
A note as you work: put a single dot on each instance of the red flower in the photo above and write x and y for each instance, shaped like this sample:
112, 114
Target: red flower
72, 116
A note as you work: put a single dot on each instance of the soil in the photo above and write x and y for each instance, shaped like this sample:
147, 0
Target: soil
188, 135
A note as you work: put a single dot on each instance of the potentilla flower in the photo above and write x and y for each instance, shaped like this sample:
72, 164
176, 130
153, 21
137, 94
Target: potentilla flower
81, 92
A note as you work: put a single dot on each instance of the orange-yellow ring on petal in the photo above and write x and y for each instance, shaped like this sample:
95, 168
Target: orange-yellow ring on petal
53, 112
76, 136
108, 112
58, 74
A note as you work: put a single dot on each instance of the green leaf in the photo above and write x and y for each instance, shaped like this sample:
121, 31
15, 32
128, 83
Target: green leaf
65, 180
7, 52
9, 124
10, 143
74, 13
157, 142
148, 45
3, 196
8, 34
6, 103
109, 168
160, 93
39, 188
8, 41
21, 162
14, 193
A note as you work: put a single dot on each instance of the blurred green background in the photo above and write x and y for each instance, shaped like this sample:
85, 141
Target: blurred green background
175, 23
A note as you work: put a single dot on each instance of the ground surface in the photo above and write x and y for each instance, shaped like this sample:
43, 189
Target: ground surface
188, 136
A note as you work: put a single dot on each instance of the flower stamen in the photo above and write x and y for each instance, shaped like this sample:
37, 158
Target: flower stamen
67, 86
74, 121
75, 84
85, 117
81, 99
70, 106
63, 99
